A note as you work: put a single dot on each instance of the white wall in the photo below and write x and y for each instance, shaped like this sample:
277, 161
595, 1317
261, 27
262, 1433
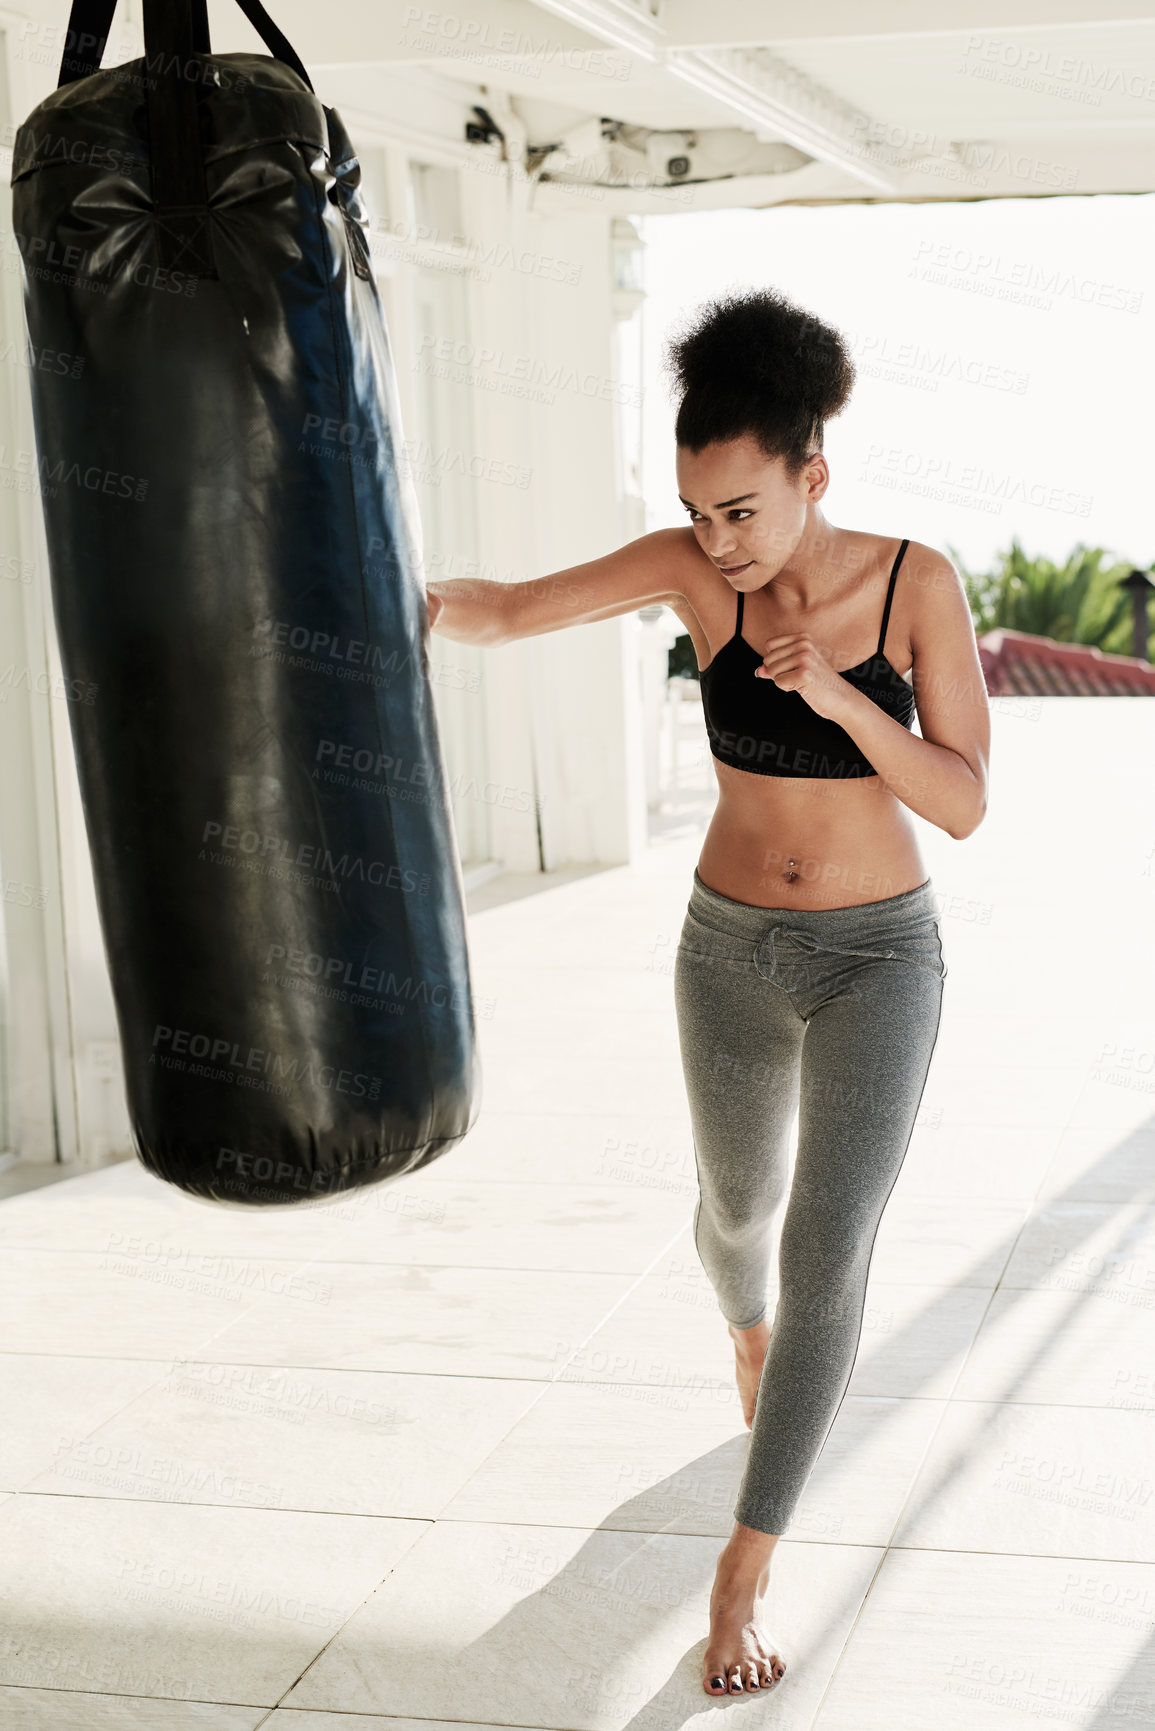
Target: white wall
532, 363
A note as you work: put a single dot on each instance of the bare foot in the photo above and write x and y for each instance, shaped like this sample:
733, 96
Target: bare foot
749, 1352
740, 1656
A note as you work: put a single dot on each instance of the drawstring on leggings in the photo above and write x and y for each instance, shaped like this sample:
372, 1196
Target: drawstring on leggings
805, 938
809, 942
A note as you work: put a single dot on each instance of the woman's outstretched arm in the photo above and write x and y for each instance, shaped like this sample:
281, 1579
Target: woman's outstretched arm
654, 568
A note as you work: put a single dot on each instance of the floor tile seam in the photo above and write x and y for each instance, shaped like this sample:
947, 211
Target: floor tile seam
1041, 1405
883, 1547
48, 1496
300, 1369
366, 1262
271, 1366
296, 1263
355, 1611
564, 1273
614, 1194
848, 1635
1057, 1291
446, 1181
433, 1176
570, 1381
546, 1383
263, 1365
115, 1695
400, 1183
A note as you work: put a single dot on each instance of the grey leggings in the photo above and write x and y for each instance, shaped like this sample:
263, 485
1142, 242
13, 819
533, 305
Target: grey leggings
833, 1014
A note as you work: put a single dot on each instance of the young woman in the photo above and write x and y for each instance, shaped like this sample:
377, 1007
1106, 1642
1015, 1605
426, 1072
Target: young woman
809, 975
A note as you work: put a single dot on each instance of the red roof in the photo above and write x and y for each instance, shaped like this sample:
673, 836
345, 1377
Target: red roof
1015, 662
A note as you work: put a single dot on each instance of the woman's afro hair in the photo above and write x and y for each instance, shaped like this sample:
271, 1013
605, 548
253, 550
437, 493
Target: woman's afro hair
752, 362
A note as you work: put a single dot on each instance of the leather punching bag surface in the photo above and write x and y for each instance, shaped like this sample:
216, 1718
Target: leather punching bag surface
235, 566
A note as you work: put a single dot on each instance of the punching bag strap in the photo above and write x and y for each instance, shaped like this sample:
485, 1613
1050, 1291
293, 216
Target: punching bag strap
90, 21
87, 36
179, 196
278, 45
174, 31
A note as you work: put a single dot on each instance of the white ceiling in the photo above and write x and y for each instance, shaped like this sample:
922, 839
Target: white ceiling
891, 99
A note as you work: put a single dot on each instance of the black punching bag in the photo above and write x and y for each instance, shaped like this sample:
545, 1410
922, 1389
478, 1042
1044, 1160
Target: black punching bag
235, 564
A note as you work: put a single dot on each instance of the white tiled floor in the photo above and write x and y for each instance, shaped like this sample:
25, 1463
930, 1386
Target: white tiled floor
462, 1451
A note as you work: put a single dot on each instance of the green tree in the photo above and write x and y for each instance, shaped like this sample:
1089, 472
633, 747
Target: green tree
1079, 601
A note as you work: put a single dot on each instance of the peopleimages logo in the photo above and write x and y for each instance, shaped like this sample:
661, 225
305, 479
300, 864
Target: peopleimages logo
239, 1163
279, 850
364, 978
328, 646
227, 1055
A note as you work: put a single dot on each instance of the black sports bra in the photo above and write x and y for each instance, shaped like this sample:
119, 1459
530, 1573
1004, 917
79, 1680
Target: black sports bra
756, 726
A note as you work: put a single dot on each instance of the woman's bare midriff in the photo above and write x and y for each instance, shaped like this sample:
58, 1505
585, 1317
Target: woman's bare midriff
777, 842
803, 842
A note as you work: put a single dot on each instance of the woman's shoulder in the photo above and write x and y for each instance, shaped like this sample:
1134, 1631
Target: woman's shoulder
693, 568
931, 585
936, 603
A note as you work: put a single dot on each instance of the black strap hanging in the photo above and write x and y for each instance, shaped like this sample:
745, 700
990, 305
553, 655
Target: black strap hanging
179, 193
91, 20
174, 31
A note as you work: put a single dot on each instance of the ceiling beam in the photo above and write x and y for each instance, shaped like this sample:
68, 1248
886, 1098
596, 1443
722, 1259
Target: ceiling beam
780, 102
625, 24
691, 24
